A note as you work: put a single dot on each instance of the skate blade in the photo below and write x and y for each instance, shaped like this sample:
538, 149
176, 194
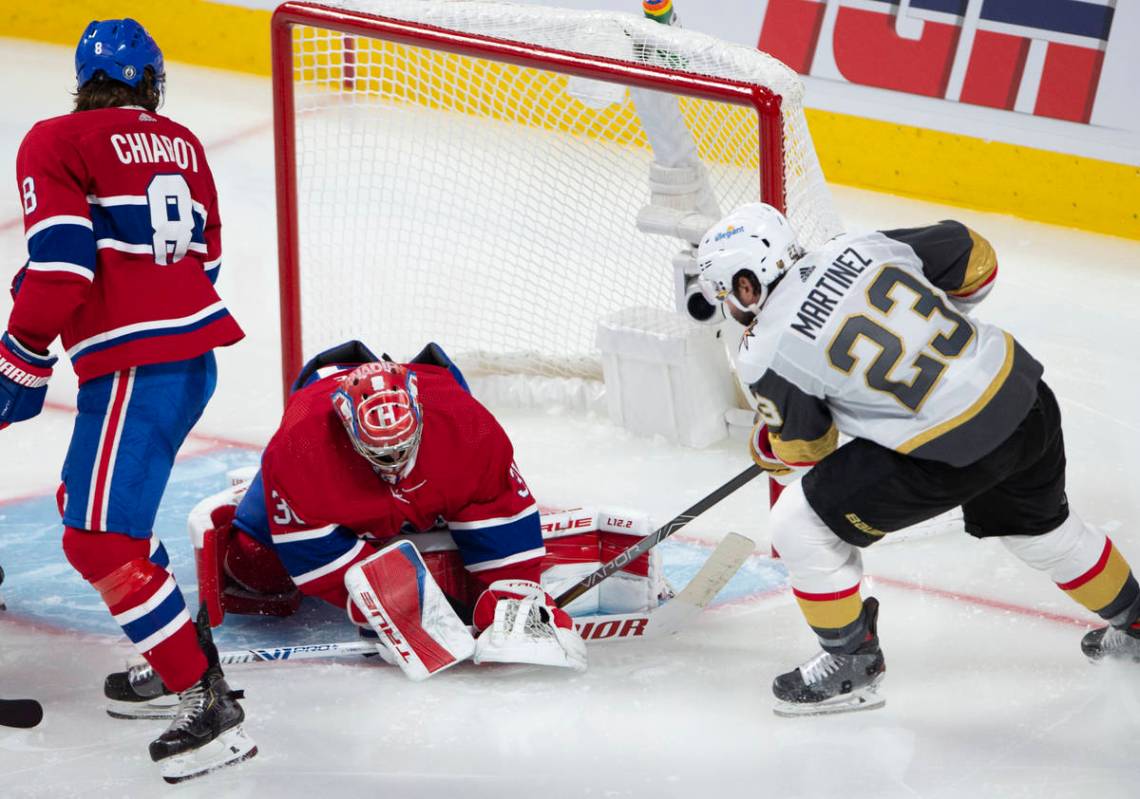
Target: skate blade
232, 746
161, 708
847, 703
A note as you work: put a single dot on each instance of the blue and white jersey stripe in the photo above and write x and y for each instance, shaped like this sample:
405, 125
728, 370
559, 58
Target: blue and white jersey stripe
491, 543
212, 269
123, 223
156, 327
63, 243
309, 554
339, 563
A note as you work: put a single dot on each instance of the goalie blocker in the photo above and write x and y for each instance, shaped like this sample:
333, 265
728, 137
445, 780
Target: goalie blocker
237, 574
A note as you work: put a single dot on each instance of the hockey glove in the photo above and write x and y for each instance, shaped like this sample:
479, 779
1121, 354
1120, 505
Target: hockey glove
519, 623
23, 381
760, 448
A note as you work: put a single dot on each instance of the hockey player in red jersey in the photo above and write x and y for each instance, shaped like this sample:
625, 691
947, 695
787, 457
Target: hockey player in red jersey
870, 336
124, 246
367, 450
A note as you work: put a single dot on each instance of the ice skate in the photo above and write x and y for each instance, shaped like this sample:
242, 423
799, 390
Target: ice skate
138, 693
206, 733
1110, 643
835, 683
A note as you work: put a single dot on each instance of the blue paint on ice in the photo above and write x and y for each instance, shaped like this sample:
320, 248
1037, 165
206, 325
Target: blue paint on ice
41, 586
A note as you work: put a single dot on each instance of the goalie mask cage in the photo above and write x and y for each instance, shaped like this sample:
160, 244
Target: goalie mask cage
471, 172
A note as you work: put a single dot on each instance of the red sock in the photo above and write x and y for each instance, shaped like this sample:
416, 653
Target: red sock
144, 599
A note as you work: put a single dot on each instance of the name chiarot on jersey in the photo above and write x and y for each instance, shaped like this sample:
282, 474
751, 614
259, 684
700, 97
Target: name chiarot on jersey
154, 148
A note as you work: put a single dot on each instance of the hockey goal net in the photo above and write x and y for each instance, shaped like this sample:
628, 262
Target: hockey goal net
473, 172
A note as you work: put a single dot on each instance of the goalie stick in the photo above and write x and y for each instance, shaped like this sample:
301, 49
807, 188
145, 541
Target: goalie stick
725, 560
656, 537
23, 713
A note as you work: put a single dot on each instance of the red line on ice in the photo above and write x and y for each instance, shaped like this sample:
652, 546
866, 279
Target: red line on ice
906, 585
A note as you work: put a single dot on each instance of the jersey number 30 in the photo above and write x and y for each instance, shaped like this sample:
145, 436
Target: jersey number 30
927, 368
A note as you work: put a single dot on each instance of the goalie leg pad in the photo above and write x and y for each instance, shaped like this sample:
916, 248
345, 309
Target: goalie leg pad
523, 625
402, 603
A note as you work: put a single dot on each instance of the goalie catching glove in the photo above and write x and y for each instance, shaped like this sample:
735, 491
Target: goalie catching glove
521, 624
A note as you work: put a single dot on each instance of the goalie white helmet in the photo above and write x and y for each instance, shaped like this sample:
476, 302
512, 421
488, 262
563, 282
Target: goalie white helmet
742, 255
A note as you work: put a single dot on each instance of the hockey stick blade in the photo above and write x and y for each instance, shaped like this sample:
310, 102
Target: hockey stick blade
656, 537
724, 562
22, 713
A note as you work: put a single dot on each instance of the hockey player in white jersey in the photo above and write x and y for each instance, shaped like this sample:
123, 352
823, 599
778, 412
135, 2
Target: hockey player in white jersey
868, 336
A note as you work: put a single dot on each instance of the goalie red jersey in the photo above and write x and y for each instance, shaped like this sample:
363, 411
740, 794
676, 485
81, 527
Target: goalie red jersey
124, 242
324, 501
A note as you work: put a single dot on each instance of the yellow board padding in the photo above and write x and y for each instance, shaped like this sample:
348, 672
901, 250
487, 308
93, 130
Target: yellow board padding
882, 156
1044, 186
192, 31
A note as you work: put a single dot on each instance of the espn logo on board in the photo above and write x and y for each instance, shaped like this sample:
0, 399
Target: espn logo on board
1038, 58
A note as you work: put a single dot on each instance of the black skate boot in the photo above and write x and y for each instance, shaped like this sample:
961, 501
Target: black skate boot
1111, 643
835, 683
138, 693
206, 733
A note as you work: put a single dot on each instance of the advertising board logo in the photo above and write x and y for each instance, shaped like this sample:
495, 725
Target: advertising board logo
1039, 58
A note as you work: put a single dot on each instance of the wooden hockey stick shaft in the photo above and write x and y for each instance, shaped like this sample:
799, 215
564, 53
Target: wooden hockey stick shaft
656, 537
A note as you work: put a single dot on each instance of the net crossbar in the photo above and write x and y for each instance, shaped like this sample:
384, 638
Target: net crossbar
471, 172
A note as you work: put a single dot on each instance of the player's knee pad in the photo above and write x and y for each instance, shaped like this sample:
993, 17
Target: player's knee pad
1065, 553
816, 558
116, 565
96, 555
255, 566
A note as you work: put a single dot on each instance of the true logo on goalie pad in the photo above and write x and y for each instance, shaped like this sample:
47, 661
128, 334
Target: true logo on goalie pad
406, 608
387, 631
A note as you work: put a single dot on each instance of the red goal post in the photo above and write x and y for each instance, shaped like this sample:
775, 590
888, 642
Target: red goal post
343, 45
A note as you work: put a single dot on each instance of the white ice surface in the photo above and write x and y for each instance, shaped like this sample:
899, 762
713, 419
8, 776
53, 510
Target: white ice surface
987, 693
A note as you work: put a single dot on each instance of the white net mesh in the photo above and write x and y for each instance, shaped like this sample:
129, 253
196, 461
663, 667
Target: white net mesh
491, 207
